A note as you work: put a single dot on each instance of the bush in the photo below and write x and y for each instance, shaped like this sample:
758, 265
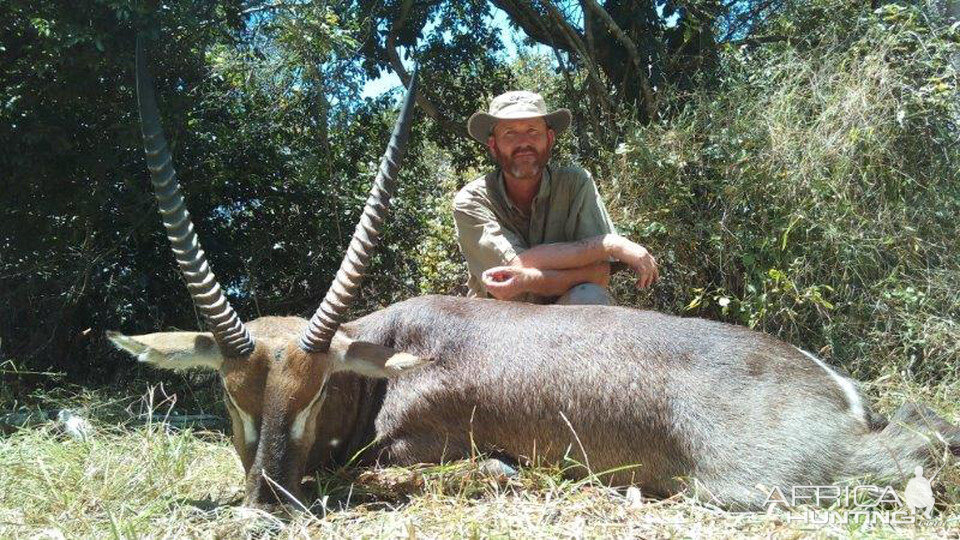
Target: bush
813, 193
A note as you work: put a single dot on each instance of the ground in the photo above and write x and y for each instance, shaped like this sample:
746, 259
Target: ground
132, 479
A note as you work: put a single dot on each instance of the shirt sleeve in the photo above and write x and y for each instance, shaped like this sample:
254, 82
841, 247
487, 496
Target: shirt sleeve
484, 242
588, 214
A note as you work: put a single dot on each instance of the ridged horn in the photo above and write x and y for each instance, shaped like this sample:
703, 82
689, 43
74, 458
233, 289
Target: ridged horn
325, 321
222, 320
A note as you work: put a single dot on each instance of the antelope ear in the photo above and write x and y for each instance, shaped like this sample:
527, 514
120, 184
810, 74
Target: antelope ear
171, 350
372, 360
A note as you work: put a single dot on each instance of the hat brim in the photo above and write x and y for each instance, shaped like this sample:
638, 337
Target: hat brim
480, 125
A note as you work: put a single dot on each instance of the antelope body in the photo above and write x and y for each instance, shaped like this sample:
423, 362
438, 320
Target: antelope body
659, 400
634, 396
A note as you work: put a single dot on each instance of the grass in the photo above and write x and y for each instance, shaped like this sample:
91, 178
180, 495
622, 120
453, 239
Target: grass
127, 481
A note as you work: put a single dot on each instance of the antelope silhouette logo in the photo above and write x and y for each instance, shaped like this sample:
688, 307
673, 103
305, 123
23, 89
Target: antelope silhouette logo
918, 495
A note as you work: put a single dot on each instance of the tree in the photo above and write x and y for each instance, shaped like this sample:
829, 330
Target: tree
274, 149
622, 54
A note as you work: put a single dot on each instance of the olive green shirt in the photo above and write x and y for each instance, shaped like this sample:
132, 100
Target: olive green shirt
491, 230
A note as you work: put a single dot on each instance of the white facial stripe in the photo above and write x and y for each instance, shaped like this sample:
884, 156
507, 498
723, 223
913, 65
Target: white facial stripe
853, 397
250, 434
300, 421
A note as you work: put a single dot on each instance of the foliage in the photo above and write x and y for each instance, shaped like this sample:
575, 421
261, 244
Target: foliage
619, 58
274, 154
814, 194
804, 184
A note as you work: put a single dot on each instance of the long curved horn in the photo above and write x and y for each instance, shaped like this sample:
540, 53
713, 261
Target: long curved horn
316, 337
228, 330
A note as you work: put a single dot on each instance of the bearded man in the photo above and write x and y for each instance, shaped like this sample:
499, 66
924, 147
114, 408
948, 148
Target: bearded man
531, 231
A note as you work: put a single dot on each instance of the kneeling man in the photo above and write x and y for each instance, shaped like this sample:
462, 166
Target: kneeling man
531, 231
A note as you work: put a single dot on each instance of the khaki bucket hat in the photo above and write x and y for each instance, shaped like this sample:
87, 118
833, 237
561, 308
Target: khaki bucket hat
513, 105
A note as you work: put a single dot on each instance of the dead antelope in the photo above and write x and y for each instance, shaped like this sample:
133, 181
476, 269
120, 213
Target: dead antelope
637, 397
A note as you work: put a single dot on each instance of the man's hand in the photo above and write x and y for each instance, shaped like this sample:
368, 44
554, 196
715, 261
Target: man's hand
507, 282
638, 258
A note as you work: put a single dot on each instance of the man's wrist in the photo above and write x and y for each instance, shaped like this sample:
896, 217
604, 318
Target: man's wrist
612, 246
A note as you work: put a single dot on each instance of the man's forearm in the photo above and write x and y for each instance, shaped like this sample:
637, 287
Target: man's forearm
557, 282
551, 269
569, 255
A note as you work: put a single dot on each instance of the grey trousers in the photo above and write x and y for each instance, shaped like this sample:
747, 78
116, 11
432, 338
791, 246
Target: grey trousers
586, 293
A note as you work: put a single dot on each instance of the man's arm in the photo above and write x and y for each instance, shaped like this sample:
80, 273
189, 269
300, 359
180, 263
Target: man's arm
484, 242
548, 267
507, 282
565, 255
598, 242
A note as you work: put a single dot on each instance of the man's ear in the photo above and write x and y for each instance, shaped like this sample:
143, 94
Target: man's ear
551, 137
171, 350
372, 360
492, 146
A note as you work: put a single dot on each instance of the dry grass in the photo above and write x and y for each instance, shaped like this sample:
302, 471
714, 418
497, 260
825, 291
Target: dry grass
148, 481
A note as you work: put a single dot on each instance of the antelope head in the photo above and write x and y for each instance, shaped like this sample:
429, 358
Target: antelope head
274, 369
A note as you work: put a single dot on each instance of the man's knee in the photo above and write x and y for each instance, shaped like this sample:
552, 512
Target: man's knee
586, 293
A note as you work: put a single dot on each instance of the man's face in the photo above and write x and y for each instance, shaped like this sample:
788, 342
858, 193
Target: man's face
522, 146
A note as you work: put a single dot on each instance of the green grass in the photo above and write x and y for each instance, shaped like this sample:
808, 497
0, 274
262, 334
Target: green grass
129, 481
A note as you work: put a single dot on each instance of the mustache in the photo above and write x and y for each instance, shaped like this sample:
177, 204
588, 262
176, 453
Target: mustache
524, 149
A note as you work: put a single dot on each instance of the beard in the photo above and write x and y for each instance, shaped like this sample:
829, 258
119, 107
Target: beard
521, 164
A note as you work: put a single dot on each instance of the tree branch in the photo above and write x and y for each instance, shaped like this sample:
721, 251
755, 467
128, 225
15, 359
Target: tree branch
649, 100
265, 7
759, 40
573, 38
584, 142
532, 22
393, 57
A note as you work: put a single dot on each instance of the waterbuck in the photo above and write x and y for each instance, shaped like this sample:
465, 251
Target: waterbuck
637, 397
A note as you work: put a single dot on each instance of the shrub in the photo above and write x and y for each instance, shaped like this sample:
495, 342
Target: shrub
812, 193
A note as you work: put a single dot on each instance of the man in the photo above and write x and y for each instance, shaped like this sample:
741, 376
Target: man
531, 231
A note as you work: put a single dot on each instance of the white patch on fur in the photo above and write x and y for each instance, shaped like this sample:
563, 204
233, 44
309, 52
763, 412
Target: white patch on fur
848, 387
401, 361
299, 426
250, 434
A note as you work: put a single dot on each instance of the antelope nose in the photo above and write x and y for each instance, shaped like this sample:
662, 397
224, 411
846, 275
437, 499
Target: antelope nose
269, 494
